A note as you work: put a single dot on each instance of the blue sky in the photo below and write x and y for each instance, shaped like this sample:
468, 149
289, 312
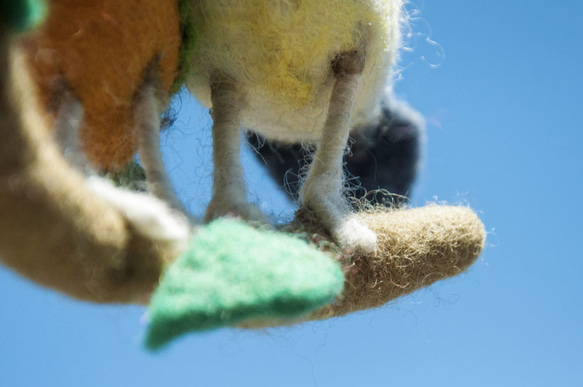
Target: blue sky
503, 98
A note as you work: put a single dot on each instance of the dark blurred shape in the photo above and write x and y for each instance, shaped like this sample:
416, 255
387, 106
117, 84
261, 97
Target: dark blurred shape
381, 165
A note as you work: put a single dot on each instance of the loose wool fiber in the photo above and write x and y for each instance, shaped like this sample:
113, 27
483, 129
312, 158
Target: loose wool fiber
99, 49
280, 54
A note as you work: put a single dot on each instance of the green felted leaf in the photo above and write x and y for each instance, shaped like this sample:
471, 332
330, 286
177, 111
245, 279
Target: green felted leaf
20, 15
232, 273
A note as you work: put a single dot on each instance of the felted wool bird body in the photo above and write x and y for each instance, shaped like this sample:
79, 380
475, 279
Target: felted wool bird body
281, 54
294, 71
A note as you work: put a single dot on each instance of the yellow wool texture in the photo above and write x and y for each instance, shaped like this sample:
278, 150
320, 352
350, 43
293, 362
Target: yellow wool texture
285, 48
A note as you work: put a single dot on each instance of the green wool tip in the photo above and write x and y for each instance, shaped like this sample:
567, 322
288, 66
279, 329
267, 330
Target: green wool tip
20, 15
232, 273
188, 47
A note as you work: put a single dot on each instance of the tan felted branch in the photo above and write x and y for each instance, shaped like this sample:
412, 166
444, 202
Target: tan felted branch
415, 248
53, 230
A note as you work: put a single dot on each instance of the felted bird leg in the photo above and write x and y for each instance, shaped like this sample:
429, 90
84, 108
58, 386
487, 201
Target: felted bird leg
229, 191
147, 122
150, 217
66, 131
322, 191
382, 164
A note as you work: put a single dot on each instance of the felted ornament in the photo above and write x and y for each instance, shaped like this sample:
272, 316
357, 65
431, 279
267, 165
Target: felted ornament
96, 76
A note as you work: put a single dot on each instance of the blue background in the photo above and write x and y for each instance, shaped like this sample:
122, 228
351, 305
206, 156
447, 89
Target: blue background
500, 85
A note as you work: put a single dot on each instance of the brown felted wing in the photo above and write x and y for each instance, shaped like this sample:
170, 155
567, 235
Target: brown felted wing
99, 50
53, 229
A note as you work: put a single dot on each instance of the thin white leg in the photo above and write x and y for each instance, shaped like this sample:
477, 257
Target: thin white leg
66, 132
229, 190
322, 191
147, 126
150, 217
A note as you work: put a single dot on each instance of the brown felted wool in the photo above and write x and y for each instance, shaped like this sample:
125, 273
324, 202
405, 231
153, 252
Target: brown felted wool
416, 247
99, 49
53, 230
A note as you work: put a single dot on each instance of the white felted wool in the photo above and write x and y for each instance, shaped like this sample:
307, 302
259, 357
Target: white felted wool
279, 52
322, 190
148, 215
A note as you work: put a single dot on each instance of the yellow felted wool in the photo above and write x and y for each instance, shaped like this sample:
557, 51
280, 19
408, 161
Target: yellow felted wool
280, 53
99, 49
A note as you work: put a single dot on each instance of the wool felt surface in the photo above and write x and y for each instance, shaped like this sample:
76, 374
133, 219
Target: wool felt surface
53, 229
382, 164
99, 50
416, 247
188, 45
280, 54
232, 273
